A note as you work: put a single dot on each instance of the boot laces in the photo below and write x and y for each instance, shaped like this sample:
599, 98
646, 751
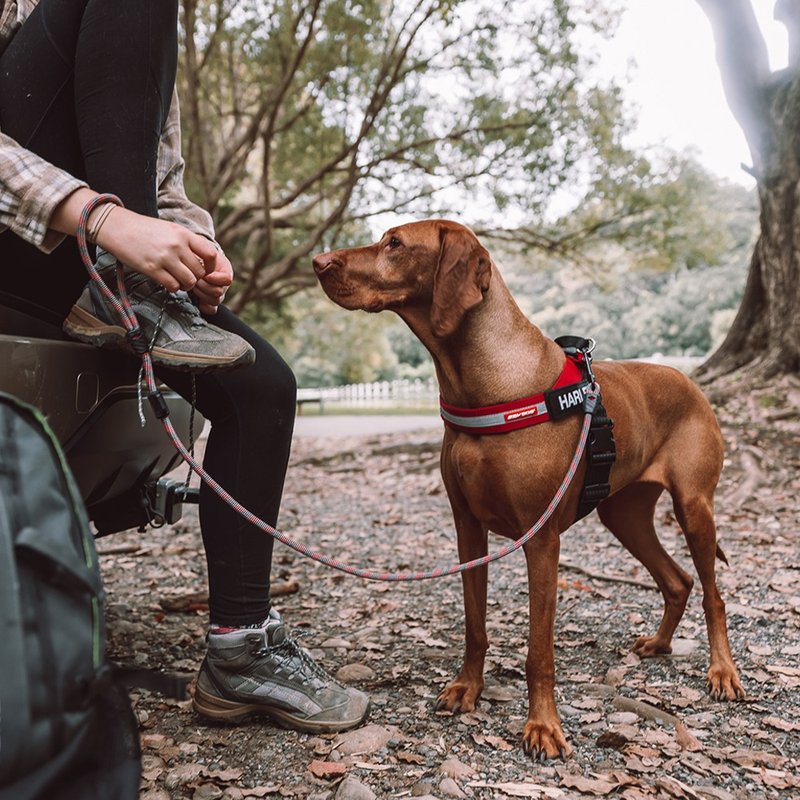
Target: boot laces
293, 660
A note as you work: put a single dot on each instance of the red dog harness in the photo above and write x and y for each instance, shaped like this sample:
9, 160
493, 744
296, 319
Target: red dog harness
566, 396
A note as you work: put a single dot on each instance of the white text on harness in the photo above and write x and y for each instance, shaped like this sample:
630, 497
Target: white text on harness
573, 398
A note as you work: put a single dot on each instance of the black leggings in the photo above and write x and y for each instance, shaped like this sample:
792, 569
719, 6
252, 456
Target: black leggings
86, 84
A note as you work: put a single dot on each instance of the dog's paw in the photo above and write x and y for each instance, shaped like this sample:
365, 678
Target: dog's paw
459, 696
651, 646
723, 683
545, 739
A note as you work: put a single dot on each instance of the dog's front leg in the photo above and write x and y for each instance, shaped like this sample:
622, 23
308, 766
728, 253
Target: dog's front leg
462, 693
543, 736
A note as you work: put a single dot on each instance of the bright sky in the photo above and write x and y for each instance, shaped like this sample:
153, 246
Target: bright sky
675, 81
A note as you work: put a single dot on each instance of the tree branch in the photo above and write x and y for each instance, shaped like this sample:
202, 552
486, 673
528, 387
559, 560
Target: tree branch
788, 12
744, 65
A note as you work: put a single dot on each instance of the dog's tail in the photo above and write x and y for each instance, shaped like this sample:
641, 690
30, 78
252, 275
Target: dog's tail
721, 555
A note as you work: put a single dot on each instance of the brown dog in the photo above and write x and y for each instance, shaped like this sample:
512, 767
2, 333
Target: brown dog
437, 276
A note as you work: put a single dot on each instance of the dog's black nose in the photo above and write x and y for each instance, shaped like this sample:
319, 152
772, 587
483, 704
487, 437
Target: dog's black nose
324, 262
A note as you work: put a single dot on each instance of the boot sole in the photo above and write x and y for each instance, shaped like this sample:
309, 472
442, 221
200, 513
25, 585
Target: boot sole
222, 710
85, 327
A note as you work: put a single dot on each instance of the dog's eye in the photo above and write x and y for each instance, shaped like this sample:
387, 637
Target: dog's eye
394, 243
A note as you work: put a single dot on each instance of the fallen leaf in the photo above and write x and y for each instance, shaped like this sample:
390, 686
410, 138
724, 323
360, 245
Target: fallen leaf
262, 791
373, 767
498, 742
410, 758
224, 775
781, 724
596, 786
520, 789
685, 739
327, 769
677, 789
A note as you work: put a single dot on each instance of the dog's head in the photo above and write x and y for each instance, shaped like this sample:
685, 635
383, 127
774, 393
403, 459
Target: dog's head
433, 263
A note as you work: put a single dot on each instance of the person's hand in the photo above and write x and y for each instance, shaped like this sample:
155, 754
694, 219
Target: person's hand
210, 290
168, 253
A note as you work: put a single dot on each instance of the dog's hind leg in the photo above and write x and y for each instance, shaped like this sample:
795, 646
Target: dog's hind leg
694, 511
628, 514
463, 692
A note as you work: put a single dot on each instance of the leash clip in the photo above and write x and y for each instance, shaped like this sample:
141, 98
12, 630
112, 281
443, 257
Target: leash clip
586, 352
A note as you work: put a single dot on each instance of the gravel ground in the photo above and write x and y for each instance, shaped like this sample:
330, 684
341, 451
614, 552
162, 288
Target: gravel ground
639, 729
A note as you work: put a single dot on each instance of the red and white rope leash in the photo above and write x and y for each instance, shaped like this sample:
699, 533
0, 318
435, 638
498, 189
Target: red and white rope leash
122, 306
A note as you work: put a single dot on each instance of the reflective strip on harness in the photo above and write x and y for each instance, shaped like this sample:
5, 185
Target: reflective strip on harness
566, 396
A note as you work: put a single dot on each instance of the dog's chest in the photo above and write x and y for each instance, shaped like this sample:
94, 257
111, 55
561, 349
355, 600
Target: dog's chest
503, 479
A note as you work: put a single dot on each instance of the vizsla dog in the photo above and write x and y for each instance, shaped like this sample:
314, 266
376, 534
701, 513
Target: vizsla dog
437, 276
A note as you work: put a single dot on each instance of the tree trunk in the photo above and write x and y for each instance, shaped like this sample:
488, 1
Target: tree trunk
764, 340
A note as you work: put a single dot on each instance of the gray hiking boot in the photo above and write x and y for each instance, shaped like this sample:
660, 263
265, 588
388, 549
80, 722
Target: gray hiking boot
176, 335
263, 671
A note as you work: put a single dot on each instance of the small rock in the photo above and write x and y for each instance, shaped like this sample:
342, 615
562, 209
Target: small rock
352, 673
363, 740
499, 694
453, 768
333, 643
351, 789
613, 739
623, 718
615, 676
207, 791
681, 648
150, 762
155, 741
232, 793
421, 789
449, 788
155, 794
182, 774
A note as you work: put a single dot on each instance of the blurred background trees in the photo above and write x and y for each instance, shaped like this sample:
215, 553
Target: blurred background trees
315, 124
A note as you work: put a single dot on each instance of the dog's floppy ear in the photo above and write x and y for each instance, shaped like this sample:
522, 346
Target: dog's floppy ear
462, 277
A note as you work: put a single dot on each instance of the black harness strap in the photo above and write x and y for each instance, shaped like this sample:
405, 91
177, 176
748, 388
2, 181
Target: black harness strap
601, 450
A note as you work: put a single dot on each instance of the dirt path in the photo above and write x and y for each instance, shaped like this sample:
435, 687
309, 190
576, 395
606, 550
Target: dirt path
640, 729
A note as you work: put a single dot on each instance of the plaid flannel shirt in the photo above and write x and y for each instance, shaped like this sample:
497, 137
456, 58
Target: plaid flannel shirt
31, 188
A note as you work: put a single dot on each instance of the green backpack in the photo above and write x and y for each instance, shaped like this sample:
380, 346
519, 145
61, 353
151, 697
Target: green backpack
67, 730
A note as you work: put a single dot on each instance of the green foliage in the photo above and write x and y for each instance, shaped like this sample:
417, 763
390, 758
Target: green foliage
680, 304
303, 118
306, 122
328, 346
669, 276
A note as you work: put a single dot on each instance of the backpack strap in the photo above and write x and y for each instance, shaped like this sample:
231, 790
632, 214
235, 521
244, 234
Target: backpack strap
14, 688
163, 683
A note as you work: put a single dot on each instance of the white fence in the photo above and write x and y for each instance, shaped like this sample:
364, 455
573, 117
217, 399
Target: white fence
419, 394
416, 394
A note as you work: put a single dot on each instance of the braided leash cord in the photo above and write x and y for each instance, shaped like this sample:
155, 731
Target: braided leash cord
123, 308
